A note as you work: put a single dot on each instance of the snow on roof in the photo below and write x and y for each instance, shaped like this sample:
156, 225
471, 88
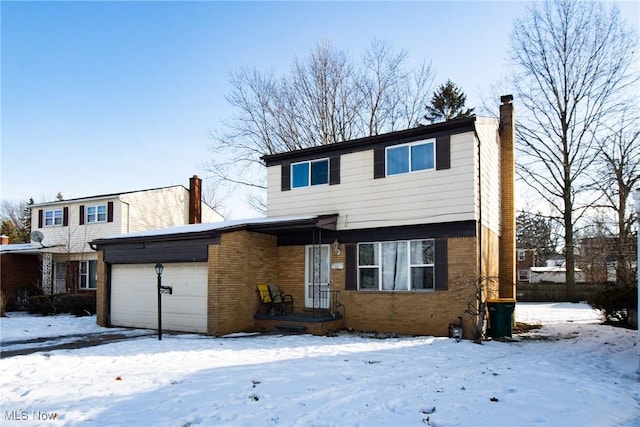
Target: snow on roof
551, 269
212, 226
20, 247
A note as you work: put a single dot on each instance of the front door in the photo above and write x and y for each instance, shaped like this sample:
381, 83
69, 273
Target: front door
317, 276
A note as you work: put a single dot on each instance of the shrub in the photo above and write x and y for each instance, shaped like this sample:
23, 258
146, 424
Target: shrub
76, 304
615, 302
40, 304
22, 295
3, 304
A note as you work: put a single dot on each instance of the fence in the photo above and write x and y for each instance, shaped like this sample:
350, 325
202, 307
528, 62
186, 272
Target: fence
554, 292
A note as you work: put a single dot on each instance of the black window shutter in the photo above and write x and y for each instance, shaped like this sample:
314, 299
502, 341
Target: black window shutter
378, 163
81, 214
40, 214
285, 177
334, 170
65, 216
441, 267
443, 152
109, 211
351, 268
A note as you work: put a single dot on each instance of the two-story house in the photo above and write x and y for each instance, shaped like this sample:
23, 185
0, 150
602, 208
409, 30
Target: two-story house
65, 228
390, 233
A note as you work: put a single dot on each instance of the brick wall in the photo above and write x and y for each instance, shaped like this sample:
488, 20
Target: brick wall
18, 271
102, 308
420, 313
507, 199
236, 266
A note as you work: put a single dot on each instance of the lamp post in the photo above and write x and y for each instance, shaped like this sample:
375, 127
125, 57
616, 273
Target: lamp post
159, 268
636, 197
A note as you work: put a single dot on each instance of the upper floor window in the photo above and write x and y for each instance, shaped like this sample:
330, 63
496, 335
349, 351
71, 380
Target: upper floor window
522, 255
410, 157
52, 217
396, 266
314, 172
96, 213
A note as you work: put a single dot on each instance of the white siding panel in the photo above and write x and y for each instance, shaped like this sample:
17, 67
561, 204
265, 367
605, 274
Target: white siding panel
134, 297
487, 130
363, 202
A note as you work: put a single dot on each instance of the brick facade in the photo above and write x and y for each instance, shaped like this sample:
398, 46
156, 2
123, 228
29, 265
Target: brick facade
236, 266
18, 271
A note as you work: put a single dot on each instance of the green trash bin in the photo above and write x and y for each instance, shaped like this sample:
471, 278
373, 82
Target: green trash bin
501, 317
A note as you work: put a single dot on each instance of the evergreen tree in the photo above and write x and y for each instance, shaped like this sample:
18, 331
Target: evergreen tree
447, 103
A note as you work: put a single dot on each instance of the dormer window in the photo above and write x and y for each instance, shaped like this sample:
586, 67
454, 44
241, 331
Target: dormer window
305, 174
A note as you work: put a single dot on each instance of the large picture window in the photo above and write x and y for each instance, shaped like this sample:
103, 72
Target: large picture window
396, 266
88, 274
314, 172
96, 213
53, 218
410, 157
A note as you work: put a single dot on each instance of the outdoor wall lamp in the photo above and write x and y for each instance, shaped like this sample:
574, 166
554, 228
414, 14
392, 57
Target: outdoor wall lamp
336, 247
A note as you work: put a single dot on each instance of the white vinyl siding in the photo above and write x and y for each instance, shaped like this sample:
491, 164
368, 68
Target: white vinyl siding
428, 197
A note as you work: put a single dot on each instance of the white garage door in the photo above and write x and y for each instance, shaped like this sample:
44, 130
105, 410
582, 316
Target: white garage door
134, 300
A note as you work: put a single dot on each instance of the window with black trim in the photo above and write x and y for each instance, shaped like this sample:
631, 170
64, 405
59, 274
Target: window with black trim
414, 157
96, 213
305, 174
53, 218
406, 265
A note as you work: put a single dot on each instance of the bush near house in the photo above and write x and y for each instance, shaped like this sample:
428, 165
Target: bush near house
3, 303
76, 304
615, 303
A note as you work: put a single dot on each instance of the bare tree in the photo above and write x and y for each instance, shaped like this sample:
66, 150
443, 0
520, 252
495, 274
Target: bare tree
617, 175
15, 220
573, 62
326, 98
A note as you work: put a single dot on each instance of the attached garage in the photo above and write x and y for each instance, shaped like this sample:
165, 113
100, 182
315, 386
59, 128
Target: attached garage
134, 296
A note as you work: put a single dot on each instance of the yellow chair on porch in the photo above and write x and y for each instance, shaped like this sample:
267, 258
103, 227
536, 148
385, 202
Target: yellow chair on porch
264, 296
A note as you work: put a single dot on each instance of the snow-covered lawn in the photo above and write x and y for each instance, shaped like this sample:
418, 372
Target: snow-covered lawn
573, 372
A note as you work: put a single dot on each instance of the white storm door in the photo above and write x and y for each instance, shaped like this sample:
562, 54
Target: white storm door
317, 276
60, 277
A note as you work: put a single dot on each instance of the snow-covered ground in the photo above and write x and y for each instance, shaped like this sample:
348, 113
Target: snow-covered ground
571, 372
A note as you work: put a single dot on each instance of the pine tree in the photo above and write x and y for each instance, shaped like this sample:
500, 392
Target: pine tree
447, 103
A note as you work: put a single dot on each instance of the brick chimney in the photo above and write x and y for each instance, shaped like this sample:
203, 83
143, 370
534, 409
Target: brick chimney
507, 198
4, 240
195, 200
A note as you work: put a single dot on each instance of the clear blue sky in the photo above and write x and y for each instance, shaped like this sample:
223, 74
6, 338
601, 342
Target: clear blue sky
103, 97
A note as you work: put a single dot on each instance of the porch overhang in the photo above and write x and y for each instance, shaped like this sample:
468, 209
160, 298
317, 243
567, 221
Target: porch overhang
208, 231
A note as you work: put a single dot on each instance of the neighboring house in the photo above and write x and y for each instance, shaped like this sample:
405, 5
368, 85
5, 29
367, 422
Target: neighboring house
525, 259
69, 225
388, 233
554, 274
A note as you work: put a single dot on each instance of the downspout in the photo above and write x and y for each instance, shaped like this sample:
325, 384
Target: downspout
128, 216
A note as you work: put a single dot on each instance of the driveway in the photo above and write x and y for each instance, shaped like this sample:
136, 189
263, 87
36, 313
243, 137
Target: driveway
67, 342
